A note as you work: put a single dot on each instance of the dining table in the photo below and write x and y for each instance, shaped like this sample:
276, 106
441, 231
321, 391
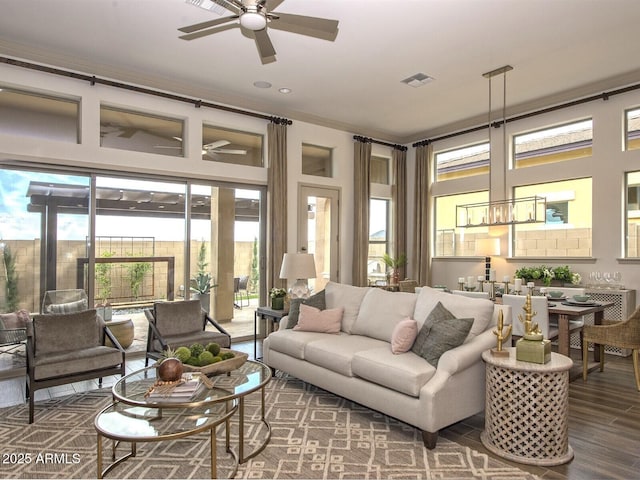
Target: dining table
565, 312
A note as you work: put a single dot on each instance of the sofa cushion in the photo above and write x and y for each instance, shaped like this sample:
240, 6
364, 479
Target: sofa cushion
479, 309
317, 300
335, 352
347, 296
292, 342
405, 373
440, 332
381, 311
403, 336
312, 319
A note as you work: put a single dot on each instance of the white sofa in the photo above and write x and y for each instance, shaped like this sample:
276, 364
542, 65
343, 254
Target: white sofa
357, 363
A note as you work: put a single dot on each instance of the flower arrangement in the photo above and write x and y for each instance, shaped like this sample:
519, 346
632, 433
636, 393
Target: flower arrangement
277, 293
547, 274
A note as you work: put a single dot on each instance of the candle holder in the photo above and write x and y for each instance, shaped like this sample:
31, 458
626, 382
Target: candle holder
460, 285
505, 288
492, 290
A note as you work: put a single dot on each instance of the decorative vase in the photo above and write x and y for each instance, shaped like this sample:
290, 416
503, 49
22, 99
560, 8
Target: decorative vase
277, 303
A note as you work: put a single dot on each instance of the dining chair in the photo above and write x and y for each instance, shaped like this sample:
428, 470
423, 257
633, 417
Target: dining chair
576, 324
180, 324
464, 293
240, 285
539, 305
625, 334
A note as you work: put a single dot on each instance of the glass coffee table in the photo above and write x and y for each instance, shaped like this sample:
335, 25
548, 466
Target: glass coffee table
133, 418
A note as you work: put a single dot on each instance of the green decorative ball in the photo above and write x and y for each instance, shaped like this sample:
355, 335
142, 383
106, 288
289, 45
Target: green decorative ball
227, 355
196, 349
214, 348
183, 354
205, 358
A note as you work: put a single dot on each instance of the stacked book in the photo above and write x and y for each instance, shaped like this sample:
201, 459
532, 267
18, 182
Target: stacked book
183, 391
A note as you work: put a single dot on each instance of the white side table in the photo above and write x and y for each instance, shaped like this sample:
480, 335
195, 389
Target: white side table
526, 409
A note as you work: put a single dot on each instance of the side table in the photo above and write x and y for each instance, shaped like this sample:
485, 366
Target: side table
271, 318
526, 409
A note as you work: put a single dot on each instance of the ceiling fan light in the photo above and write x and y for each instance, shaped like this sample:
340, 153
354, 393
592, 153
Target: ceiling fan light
253, 21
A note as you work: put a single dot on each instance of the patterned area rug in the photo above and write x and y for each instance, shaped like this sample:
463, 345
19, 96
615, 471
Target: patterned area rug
315, 434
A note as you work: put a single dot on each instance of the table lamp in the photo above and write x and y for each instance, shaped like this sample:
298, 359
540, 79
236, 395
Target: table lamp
299, 267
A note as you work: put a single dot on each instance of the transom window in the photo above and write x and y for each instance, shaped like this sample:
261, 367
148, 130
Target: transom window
555, 144
380, 170
317, 160
452, 241
462, 162
632, 213
633, 129
231, 146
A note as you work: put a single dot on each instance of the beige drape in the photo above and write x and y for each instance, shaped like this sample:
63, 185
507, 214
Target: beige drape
361, 188
421, 243
276, 202
399, 160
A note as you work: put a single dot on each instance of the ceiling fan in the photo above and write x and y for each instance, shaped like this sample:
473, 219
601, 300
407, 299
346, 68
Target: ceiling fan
255, 16
209, 148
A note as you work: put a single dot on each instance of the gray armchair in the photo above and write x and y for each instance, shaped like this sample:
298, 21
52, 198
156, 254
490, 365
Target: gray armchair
69, 347
178, 324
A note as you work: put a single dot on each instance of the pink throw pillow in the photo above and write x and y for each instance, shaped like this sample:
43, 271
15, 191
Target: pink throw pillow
312, 319
403, 336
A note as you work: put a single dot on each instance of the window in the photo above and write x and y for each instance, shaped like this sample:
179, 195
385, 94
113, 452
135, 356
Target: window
231, 146
317, 160
29, 114
380, 170
379, 242
633, 129
462, 162
568, 228
633, 215
451, 241
556, 144
140, 132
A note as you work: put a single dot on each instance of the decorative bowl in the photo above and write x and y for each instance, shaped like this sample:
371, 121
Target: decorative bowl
555, 294
221, 367
581, 298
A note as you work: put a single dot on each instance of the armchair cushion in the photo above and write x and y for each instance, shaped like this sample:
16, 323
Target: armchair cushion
61, 364
179, 318
63, 332
14, 320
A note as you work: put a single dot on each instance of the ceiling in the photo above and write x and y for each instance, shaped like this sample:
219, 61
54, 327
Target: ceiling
560, 50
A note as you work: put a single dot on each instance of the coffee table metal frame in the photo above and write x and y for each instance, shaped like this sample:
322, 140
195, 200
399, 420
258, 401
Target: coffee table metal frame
229, 390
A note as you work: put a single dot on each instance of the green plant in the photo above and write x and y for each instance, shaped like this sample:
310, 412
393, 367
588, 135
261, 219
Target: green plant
103, 277
202, 283
547, 274
137, 271
11, 285
394, 263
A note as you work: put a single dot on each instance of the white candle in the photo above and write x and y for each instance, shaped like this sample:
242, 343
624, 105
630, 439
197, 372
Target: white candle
530, 284
470, 281
518, 284
460, 279
492, 275
480, 278
506, 279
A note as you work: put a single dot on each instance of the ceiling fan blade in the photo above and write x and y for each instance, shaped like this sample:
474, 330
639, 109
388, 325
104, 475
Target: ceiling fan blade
208, 24
216, 144
273, 4
211, 31
230, 151
263, 42
322, 28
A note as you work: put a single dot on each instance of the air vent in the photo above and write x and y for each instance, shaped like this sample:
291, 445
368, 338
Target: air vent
418, 80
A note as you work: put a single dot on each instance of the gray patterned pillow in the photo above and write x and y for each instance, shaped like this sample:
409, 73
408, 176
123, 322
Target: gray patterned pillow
441, 331
317, 300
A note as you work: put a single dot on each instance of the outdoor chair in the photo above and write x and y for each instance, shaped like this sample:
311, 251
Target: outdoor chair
408, 285
625, 334
65, 301
240, 285
69, 347
180, 324
13, 331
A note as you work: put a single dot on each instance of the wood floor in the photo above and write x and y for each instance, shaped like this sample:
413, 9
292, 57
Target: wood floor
604, 420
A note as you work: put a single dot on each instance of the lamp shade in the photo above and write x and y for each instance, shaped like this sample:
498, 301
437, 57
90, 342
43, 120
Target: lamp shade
298, 265
488, 247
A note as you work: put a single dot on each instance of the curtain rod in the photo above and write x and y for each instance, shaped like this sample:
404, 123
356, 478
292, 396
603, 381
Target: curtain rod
380, 142
496, 124
92, 79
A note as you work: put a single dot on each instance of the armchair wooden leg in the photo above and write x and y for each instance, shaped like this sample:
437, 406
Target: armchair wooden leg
429, 439
636, 367
601, 347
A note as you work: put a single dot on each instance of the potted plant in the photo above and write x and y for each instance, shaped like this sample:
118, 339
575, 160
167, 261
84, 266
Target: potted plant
548, 275
277, 298
103, 279
201, 285
394, 264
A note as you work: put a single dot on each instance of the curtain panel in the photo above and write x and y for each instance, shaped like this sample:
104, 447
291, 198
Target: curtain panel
399, 160
421, 243
276, 202
361, 184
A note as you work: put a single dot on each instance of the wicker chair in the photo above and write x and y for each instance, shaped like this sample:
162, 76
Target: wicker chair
408, 285
625, 334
